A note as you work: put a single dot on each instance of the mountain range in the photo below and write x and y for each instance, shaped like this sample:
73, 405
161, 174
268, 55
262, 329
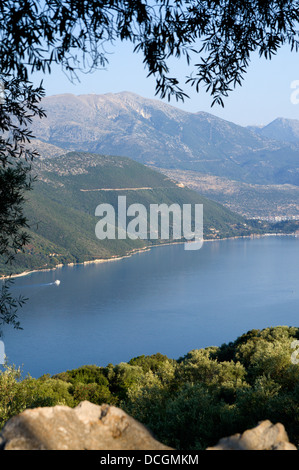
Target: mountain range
167, 146
281, 129
155, 133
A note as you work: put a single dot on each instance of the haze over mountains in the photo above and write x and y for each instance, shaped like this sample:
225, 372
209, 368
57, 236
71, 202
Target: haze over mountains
158, 134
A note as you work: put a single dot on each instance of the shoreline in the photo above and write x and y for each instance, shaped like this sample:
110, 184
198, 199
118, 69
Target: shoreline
139, 251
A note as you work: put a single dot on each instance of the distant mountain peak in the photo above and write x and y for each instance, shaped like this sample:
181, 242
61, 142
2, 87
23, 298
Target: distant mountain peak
159, 134
282, 129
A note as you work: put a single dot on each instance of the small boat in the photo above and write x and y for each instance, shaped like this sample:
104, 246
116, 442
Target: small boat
57, 282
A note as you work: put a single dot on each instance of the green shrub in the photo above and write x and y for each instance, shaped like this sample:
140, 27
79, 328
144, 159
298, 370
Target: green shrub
189, 403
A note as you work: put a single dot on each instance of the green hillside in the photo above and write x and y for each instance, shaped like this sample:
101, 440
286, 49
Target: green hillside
61, 209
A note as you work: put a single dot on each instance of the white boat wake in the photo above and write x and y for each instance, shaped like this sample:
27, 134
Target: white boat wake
55, 283
37, 286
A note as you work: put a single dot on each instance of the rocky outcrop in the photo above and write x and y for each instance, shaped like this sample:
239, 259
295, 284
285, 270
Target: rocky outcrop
93, 427
266, 436
86, 427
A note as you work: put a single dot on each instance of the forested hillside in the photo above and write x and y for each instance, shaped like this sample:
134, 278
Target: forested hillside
61, 209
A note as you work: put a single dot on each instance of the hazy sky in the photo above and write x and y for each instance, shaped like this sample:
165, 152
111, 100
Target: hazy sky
264, 96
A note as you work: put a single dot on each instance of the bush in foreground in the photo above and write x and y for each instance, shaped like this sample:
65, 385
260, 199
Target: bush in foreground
189, 403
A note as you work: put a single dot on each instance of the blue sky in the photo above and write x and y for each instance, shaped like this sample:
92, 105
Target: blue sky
264, 95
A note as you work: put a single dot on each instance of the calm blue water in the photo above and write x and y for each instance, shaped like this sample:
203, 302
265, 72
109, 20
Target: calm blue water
166, 300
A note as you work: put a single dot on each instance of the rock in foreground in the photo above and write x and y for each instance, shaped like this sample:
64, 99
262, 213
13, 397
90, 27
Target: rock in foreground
86, 427
266, 436
93, 427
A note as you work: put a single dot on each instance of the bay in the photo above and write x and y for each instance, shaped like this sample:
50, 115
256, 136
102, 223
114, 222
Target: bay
165, 300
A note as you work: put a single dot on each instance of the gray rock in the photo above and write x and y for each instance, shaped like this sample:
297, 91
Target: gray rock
86, 427
93, 427
266, 436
